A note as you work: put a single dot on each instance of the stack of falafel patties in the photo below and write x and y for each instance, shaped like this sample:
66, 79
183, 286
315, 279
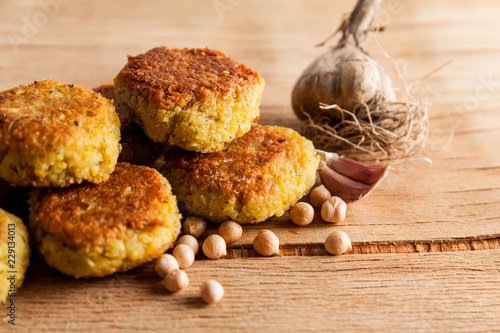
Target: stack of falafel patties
224, 165
89, 214
98, 205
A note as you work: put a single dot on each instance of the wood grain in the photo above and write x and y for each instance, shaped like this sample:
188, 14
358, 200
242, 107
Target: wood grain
440, 292
374, 248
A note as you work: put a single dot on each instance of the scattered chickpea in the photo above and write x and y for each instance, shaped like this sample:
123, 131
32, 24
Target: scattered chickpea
230, 231
176, 281
194, 226
266, 243
212, 291
184, 255
165, 264
214, 247
333, 210
318, 195
190, 241
338, 243
302, 213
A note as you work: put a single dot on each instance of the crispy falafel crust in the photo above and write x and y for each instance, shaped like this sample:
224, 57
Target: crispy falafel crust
178, 77
54, 134
259, 175
197, 99
98, 229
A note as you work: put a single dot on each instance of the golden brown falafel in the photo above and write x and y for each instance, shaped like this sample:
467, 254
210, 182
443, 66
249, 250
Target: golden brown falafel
14, 254
54, 134
197, 99
99, 229
261, 174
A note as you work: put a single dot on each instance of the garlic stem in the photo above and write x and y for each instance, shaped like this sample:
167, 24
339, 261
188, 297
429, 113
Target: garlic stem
359, 21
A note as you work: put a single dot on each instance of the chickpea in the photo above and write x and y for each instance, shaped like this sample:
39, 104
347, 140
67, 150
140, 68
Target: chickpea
230, 231
165, 264
266, 243
176, 281
194, 226
184, 255
338, 243
333, 210
302, 213
212, 291
190, 241
214, 247
318, 195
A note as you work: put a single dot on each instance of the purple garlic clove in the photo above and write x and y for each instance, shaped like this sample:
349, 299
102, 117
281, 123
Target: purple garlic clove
366, 174
348, 179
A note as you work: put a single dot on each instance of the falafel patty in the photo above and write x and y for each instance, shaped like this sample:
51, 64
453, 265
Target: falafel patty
137, 147
259, 175
54, 134
98, 229
14, 254
197, 99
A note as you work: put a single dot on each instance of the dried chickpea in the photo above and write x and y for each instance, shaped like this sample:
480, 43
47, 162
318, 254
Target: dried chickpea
214, 247
266, 243
338, 243
184, 255
301, 213
318, 195
194, 226
190, 241
165, 264
176, 281
333, 210
230, 231
212, 291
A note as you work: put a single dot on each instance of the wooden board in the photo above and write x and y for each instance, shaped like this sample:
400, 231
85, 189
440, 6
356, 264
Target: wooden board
357, 293
452, 206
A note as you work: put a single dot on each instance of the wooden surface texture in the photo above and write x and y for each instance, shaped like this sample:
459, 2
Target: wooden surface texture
426, 246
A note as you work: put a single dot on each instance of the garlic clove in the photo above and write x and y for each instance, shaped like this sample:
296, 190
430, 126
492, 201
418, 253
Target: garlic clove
366, 174
342, 186
349, 179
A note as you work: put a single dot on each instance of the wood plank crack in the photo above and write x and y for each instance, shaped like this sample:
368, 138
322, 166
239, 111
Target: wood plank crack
446, 245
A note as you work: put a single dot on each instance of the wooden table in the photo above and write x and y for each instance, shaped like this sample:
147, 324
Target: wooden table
426, 252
